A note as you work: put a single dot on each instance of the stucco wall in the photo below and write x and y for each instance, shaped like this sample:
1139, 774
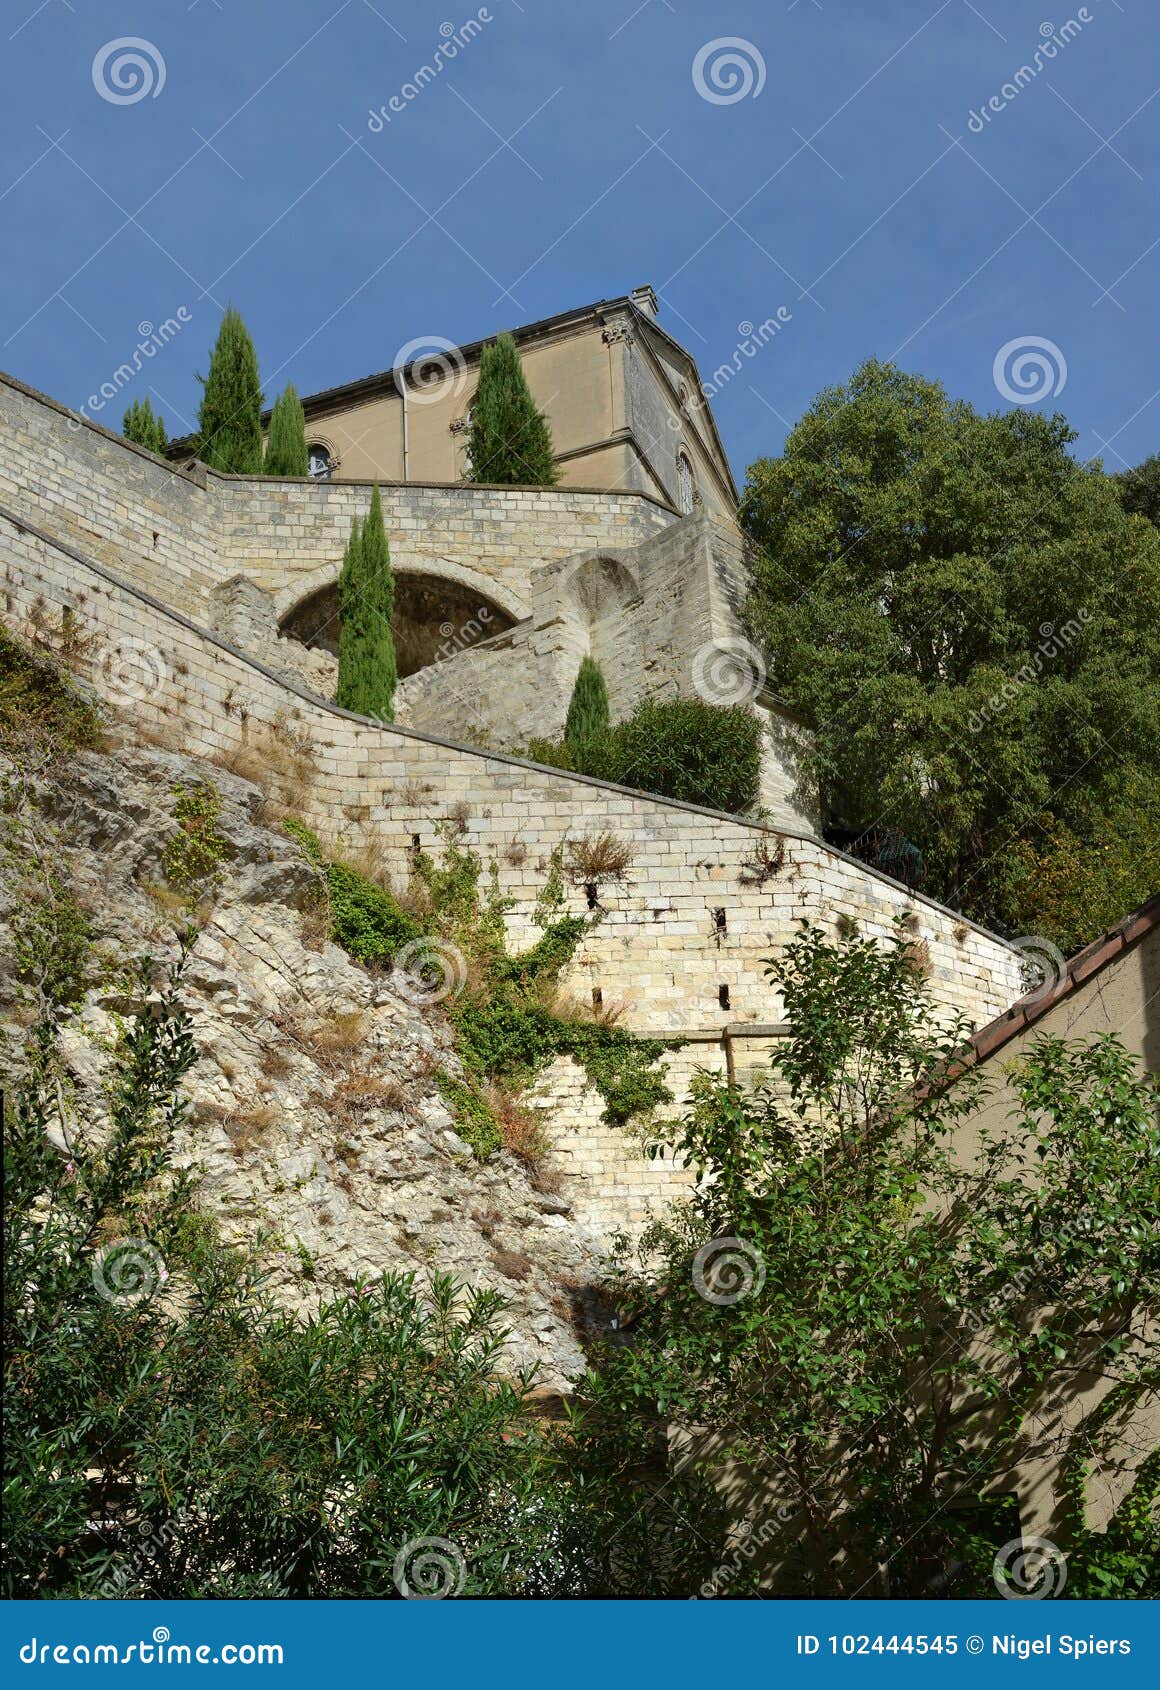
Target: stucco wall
606, 382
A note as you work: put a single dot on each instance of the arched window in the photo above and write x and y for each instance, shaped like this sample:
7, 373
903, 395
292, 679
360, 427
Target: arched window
685, 484
320, 463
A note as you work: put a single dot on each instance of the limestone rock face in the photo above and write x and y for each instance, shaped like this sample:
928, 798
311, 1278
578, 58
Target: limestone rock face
316, 1124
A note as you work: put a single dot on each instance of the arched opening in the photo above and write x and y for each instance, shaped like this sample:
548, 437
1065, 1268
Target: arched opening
434, 619
320, 461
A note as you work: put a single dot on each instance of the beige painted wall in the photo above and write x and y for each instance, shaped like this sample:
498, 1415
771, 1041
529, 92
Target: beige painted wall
1122, 998
613, 401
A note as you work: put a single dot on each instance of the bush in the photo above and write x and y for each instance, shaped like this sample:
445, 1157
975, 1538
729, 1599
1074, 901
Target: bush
588, 706
42, 714
876, 1317
171, 1434
682, 748
194, 854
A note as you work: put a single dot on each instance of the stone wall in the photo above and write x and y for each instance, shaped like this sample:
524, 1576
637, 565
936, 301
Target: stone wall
615, 575
681, 941
179, 534
648, 615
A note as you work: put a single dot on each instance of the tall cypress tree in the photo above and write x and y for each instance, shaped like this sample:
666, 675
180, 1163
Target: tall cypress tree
229, 421
286, 445
588, 708
367, 673
509, 441
144, 427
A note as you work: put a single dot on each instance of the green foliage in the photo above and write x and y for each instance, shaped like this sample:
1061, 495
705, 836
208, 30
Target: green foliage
229, 419
42, 714
367, 671
307, 839
1140, 489
681, 748
144, 427
904, 1306
171, 1434
52, 938
588, 707
194, 854
286, 443
364, 918
475, 1119
1123, 1560
509, 441
1071, 888
968, 618
504, 1015
692, 751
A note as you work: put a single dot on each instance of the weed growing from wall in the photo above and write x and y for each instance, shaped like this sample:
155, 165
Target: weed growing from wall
507, 1023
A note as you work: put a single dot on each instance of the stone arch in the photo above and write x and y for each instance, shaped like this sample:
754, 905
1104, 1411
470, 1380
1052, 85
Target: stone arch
600, 593
440, 608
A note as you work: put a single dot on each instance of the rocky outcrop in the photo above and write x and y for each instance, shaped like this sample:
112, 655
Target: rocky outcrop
316, 1123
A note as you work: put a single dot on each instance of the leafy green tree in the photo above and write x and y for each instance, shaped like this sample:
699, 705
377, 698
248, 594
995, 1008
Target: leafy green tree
144, 427
171, 1433
286, 452
367, 672
1140, 489
229, 420
509, 441
873, 1308
588, 707
1073, 888
968, 619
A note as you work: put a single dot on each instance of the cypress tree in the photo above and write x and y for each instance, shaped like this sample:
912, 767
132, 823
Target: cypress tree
588, 708
286, 445
229, 421
367, 674
509, 441
144, 427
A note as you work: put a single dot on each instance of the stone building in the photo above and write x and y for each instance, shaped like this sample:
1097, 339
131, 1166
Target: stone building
624, 400
203, 606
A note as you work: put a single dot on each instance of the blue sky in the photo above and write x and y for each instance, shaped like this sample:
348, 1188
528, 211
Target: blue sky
567, 154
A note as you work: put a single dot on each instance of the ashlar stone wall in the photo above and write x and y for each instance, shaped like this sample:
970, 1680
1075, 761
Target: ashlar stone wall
680, 942
181, 534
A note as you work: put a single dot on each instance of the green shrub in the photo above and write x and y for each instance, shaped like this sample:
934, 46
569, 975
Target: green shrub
364, 918
588, 706
475, 1120
682, 748
51, 938
506, 1028
693, 751
193, 856
41, 712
